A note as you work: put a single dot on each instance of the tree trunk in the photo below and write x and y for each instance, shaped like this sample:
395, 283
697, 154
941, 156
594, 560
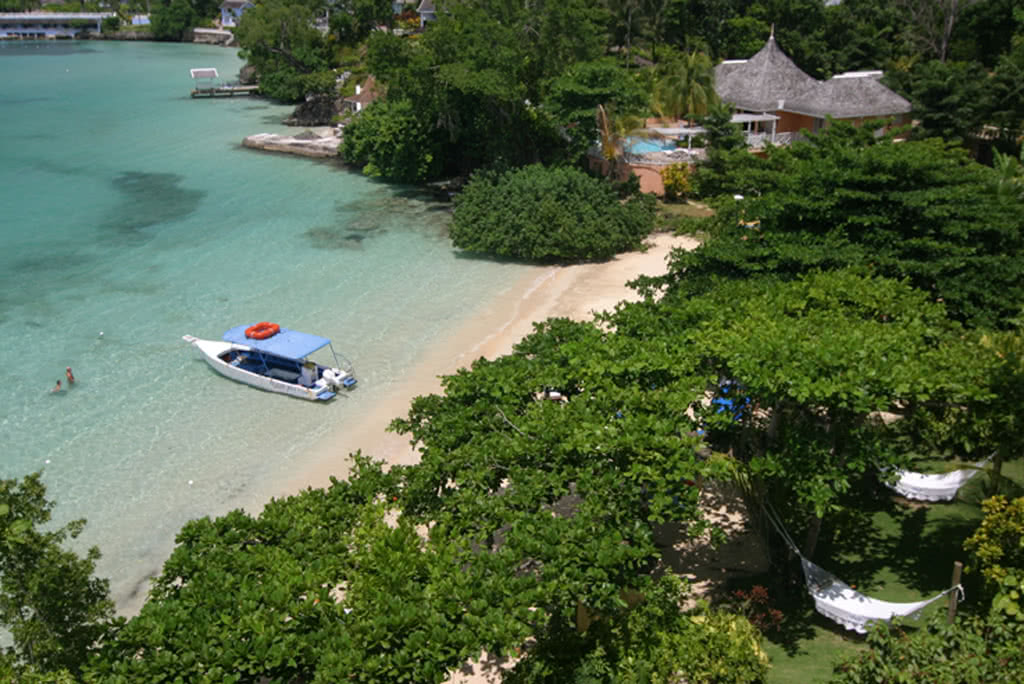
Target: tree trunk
811, 542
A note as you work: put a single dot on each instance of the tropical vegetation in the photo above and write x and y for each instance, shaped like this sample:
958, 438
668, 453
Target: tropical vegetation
542, 214
855, 302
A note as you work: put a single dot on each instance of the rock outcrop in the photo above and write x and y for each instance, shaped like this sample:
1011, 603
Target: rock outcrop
248, 75
213, 37
307, 144
317, 110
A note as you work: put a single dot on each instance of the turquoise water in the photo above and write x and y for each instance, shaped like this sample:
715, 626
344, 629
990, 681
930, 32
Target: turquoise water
132, 210
643, 146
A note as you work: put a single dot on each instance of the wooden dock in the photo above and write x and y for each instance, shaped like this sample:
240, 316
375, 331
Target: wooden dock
226, 91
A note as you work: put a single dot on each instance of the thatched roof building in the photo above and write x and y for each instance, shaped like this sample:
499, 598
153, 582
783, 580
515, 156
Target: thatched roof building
853, 95
757, 84
770, 82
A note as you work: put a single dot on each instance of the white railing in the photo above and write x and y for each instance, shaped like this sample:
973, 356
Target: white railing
679, 155
758, 140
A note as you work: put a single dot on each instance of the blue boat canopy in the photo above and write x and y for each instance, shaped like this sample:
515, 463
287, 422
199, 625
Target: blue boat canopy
291, 344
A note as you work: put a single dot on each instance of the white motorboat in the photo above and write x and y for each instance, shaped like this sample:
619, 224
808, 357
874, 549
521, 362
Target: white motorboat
272, 358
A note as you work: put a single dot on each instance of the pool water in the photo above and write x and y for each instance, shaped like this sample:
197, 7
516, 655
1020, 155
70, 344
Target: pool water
643, 146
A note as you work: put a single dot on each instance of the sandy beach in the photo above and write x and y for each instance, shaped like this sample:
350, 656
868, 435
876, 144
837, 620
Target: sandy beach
557, 291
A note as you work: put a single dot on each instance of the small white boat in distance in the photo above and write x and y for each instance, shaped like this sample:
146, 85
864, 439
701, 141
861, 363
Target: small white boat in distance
272, 358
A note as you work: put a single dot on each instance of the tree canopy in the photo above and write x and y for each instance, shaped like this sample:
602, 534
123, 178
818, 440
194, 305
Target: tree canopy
920, 210
279, 39
50, 600
543, 214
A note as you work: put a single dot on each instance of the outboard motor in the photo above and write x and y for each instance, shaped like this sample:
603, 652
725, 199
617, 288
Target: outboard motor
338, 379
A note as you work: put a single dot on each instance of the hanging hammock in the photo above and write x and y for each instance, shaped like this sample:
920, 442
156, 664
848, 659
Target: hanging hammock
841, 603
940, 487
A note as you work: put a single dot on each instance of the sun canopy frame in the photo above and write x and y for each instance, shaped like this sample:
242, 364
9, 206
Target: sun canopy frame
290, 344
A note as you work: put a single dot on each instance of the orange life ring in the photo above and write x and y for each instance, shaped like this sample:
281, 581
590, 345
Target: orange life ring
262, 331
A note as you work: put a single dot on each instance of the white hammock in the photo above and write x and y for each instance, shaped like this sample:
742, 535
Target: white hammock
839, 602
941, 487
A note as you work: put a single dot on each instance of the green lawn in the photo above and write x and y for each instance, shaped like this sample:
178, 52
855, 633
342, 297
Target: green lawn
672, 210
890, 549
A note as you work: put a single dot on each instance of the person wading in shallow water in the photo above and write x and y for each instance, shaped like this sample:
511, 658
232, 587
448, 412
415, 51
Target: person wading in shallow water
57, 388
70, 375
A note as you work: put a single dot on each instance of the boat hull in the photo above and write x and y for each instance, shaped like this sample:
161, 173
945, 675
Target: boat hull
213, 351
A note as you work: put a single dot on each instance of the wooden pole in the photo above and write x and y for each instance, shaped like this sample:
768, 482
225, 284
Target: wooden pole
954, 595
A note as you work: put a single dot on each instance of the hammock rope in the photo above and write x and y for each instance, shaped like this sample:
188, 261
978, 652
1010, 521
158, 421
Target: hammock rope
840, 602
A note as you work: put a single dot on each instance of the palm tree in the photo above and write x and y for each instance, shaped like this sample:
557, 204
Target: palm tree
613, 131
1009, 175
630, 21
687, 89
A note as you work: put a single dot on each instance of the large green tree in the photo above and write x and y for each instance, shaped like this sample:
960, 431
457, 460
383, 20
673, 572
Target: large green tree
478, 76
50, 600
353, 20
279, 39
575, 95
174, 20
813, 360
921, 211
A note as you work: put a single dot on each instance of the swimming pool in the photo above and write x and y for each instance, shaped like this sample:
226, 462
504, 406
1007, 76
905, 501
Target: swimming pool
646, 146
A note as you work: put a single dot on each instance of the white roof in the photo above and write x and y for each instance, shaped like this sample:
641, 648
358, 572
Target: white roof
206, 72
691, 130
859, 74
748, 118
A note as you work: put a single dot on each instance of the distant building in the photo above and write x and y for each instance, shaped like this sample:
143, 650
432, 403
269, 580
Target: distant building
770, 83
426, 11
50, 24
365, 94
231, 11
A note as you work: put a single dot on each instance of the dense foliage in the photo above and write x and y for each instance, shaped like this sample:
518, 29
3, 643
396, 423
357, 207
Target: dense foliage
53, 606
278, 39
554, 214
390, 141
655, 643
174, 20
858, 275
973, 649
920, 211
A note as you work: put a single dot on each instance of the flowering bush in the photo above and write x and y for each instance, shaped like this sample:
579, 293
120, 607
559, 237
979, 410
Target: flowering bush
676, 179
757, 606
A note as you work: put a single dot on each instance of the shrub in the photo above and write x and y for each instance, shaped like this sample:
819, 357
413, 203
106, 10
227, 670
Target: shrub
111, 24
676, 179
997, 546
758, 607
972, 649
548, 215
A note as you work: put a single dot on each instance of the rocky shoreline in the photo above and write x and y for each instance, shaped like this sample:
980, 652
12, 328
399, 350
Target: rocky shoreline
322, 142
